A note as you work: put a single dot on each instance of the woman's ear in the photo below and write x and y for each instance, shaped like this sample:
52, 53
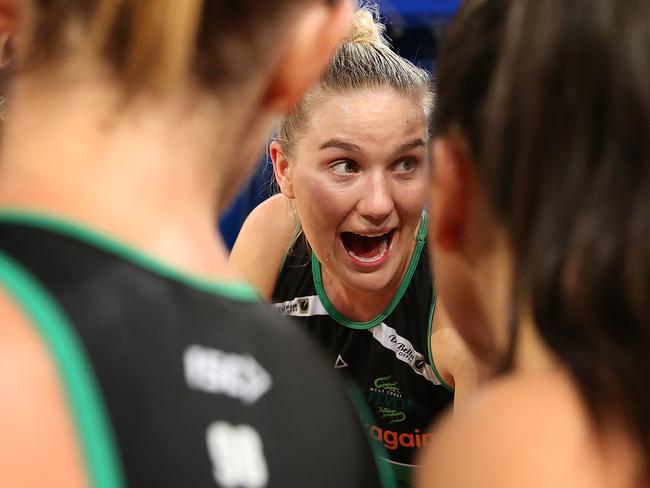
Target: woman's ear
449, 195
311, 40
8, 17
14, 15
281, 169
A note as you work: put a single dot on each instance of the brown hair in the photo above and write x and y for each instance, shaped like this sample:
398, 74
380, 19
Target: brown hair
553, 98
151, 44
364, 60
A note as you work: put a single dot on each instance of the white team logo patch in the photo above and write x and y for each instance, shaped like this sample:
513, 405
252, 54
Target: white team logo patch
235, 375
237, 456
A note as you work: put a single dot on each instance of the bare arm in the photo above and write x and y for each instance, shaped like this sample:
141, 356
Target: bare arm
262, 243
456, 364
38, 445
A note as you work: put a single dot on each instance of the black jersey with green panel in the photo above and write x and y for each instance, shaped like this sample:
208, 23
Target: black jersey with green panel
177, 382
388, 357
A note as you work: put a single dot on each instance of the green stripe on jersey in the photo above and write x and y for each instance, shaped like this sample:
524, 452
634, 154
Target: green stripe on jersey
236, 290
82, 392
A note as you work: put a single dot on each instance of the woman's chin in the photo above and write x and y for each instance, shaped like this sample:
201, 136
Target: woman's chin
377, 280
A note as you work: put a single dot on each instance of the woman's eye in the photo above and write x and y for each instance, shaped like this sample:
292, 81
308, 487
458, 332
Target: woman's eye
405, 165
344, 167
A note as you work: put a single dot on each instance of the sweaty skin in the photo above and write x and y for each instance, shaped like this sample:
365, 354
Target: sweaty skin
360, 168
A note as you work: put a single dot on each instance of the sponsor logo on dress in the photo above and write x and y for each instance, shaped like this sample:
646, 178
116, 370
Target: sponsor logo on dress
386, 398
303, 305
234, 375
297, 306
340, 363
392, 439
402, 348
404, 351
286, 308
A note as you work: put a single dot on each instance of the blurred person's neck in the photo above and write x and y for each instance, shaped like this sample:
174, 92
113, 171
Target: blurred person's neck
532, 355
153, 175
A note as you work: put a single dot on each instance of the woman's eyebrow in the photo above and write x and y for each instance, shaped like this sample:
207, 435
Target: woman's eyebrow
340, 144
410, 145
351, 147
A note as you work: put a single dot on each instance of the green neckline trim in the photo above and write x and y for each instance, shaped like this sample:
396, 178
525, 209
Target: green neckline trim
434, 300
340, 318
237, 290
84, 397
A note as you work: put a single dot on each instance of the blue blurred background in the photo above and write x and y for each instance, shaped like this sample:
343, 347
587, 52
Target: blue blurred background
414, 27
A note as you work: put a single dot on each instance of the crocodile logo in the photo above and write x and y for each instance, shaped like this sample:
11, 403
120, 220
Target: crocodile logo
394, 415
385, 383
386, 397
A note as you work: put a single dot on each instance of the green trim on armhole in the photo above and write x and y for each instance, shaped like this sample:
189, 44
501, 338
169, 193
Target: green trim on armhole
386, 474
434, 299
336, 315
84, 396
236, 290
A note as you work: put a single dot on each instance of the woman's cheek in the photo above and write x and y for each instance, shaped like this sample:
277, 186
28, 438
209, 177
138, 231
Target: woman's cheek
412, 197
331, 199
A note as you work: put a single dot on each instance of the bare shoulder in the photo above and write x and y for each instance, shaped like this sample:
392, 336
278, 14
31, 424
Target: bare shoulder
446, 342
455, 362
263, 241
528, 431
39, 441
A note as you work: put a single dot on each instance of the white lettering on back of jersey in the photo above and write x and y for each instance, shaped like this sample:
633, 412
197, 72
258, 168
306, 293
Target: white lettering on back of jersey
235, 375
237, 456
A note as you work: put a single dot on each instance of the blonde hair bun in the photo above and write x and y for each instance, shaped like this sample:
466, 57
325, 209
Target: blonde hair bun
364, 60
366, 28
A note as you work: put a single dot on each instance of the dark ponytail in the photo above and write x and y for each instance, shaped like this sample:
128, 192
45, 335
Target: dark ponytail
553, 98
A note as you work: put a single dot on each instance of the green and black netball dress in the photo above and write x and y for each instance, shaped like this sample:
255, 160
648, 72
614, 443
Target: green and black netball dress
175, 382
388, 357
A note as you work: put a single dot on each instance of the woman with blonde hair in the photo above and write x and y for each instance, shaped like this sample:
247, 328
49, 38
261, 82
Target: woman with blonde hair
131, 353
342, 248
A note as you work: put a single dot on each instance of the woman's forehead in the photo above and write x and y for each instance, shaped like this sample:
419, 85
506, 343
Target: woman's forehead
367, 114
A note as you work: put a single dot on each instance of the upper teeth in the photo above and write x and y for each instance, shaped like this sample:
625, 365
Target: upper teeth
373, 235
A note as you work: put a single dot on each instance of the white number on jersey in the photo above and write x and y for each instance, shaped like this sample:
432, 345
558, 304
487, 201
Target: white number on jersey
237, 456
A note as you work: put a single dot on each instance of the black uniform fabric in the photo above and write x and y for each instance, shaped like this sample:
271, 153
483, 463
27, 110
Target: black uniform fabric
388, 357
202, 390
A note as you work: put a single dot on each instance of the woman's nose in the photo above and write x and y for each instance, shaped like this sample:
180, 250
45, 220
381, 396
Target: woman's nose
377, 202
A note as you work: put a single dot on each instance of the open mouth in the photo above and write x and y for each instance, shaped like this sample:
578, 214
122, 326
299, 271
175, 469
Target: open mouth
368, 249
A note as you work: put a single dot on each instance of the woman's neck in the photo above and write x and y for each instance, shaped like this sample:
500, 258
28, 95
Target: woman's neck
362, 305
145, 173
532, 354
